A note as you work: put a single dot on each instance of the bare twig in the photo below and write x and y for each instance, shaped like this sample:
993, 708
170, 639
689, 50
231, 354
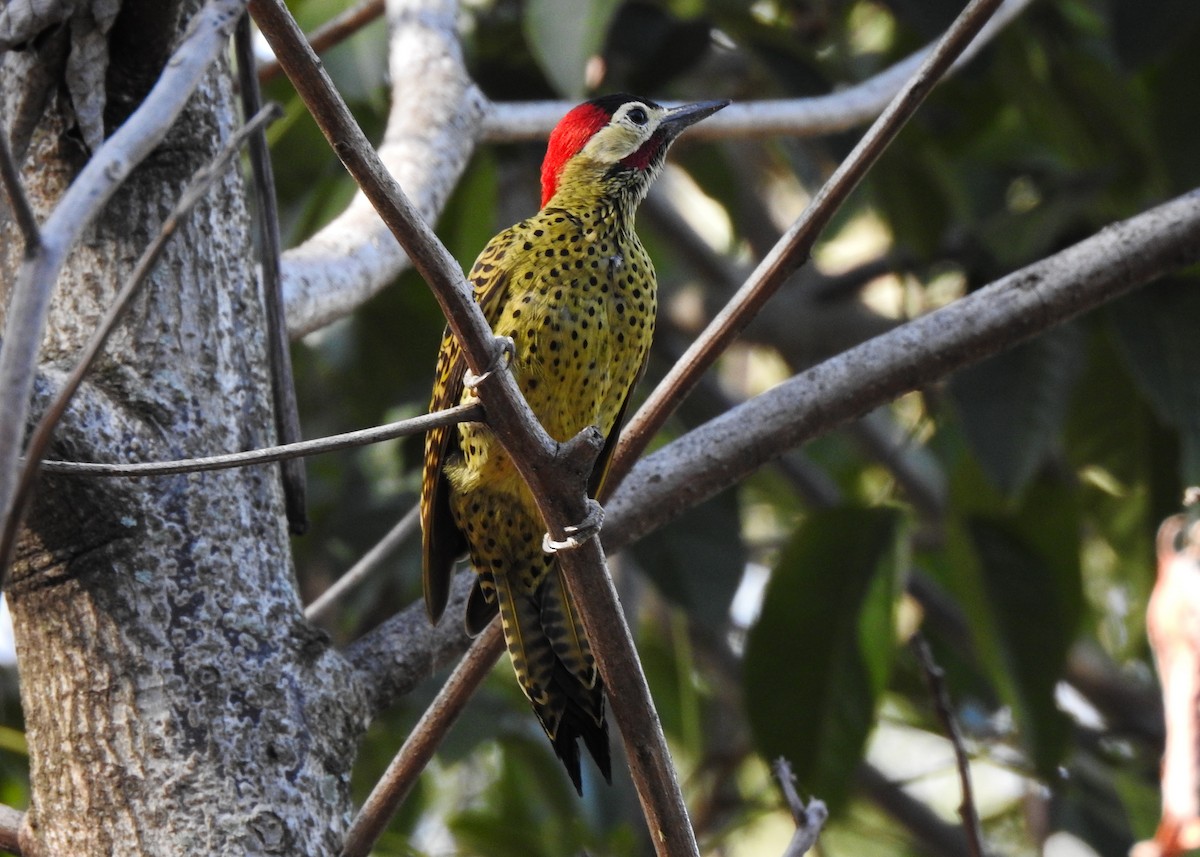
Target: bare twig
794, 248
458, 414
557, 473
283, 385
935, 679
203, 43
422, 742
809, 819
10, 175
369, 562
332, 32
711, 458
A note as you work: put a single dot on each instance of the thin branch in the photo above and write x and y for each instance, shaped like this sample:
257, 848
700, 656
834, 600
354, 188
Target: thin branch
809, 819
716, 455
369, 562
43, 432
472, 412
283, 385
418, 749
206, 38
796, 245
10, 175
797, 117
557, 473
332, 32
935, 678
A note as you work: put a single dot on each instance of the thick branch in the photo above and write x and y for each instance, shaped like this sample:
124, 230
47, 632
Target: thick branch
430, 135
406, 650
703, 462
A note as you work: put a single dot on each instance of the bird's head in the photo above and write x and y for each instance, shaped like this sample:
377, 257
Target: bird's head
615, 142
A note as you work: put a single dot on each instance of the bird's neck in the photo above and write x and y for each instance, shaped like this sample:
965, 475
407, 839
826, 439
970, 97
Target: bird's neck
588, 189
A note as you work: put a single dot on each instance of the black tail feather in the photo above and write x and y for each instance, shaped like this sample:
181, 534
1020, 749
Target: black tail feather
576, 725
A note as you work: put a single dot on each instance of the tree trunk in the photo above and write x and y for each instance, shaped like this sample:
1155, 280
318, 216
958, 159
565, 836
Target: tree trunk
176, 701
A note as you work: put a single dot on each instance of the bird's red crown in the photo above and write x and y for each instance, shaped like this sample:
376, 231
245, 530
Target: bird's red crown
574, 130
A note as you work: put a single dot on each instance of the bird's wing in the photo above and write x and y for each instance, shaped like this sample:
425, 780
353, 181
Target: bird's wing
604, 460
442, 542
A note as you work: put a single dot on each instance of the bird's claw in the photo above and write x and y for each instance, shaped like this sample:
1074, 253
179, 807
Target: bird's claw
588, 528
505, 351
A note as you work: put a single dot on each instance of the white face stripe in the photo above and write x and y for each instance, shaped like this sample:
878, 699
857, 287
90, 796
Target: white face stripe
623, 136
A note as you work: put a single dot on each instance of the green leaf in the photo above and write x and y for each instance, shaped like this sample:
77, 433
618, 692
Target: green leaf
563, 35
1156, 330
1030, 570
820, 654
697, 560
1013, 405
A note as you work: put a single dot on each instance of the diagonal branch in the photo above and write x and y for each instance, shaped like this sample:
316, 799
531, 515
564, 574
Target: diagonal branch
935, 680
339, 28
433, 129
204, 42
718, 454
430, 136
10, 176
556, 473
796, 245
420, 745
371, 560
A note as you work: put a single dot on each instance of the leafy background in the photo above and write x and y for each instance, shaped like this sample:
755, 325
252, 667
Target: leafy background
1007, 513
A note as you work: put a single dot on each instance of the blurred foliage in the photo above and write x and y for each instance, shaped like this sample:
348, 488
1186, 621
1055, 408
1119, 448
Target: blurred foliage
1061, 455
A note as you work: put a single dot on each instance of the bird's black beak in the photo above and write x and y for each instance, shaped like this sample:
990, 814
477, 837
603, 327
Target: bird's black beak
679, 118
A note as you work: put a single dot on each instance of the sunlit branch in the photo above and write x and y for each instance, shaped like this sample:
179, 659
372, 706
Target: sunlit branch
838, 111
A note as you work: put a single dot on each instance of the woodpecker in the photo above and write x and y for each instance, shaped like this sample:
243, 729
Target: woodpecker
574, 289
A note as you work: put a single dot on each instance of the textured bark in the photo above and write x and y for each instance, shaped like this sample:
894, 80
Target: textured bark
176, 701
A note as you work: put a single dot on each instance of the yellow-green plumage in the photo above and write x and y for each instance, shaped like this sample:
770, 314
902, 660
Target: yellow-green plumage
575, 290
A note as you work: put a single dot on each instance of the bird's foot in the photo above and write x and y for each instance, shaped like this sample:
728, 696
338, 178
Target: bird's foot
505, 351
588, 528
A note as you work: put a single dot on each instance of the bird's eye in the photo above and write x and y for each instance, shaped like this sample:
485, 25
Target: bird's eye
637, 116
